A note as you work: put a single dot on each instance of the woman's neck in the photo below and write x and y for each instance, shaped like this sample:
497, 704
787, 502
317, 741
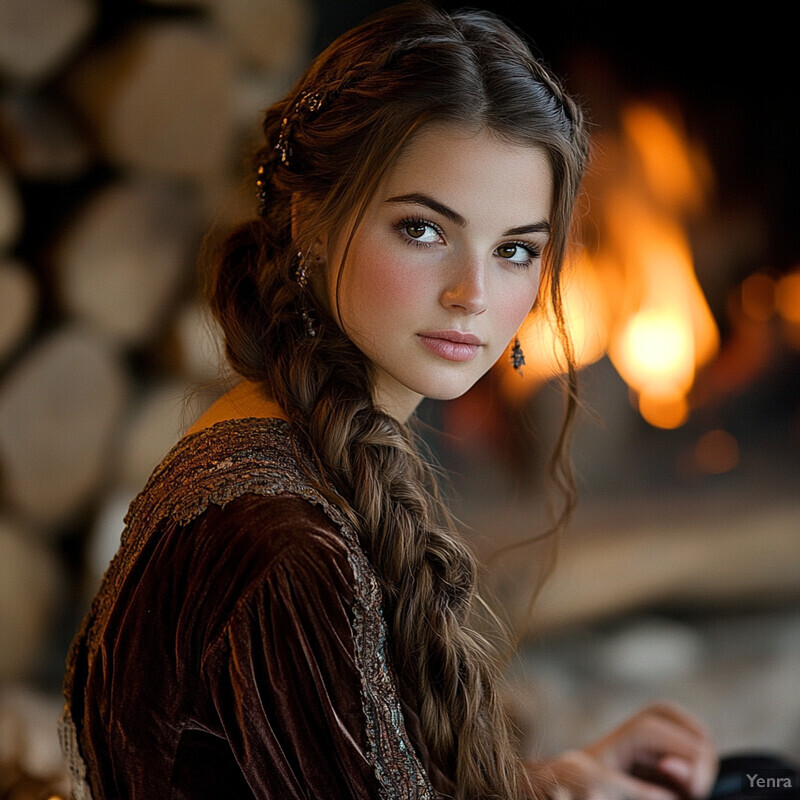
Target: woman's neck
245, 400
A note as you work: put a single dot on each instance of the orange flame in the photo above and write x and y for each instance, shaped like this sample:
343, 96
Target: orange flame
787, 303
667, 331
637, 297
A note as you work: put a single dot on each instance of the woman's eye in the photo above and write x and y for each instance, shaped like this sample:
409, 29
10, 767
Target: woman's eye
419, 231
517, 253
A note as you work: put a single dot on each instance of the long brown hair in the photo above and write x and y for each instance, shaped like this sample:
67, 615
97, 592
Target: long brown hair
328, 144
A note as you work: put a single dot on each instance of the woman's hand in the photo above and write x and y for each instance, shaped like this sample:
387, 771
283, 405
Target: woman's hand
661, 753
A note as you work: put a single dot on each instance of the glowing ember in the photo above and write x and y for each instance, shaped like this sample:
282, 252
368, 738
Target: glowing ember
716, 452
787, 297
758, 296
787, 303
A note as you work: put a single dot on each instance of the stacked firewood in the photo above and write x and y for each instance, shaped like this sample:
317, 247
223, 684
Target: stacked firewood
124, 129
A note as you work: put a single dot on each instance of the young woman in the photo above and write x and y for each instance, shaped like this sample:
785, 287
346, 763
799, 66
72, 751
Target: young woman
289, 614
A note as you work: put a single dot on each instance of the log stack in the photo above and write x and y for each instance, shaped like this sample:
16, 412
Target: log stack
124, 129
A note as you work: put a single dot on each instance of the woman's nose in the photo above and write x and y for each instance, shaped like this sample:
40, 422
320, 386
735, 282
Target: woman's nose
466, 289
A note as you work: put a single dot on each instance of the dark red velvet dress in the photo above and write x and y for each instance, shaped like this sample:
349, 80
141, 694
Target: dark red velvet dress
237, 647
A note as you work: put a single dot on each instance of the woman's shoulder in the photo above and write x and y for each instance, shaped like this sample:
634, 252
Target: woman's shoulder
229, 508
252, 556
217, 464
245, 400
257, 535
238, 495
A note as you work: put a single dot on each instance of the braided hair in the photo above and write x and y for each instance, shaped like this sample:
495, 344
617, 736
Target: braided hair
327, 146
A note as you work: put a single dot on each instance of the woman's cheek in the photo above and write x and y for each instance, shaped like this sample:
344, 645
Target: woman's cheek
394, 282
390, 284
377, 295
518, 308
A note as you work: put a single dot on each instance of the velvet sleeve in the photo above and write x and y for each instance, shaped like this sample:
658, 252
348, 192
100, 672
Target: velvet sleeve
282, 672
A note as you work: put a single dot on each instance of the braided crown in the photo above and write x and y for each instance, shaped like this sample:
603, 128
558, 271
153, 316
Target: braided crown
308, 105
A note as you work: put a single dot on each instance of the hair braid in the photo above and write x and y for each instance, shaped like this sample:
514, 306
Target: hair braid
428, 577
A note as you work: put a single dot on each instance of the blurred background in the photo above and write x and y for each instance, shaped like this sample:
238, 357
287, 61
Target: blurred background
124, 128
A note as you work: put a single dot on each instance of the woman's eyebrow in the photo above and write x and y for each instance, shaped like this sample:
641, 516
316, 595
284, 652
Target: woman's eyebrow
433, 205
419, 199
536, 227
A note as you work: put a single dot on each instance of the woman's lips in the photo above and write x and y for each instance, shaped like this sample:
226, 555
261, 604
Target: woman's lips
451, 345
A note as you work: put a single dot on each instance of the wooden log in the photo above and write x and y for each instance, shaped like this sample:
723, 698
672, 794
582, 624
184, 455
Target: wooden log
159, 99
200, 352
700, 555
29, 740
10, 209
30, 587
37, 36
59, 410
40, 140
103, 538
122, 261
156, 423
274, 35
18, 304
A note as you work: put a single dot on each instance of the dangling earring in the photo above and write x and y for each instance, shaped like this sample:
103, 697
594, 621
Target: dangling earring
517, 356
301, 277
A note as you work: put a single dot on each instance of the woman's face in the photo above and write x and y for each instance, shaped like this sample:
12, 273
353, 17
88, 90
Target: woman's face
445, 264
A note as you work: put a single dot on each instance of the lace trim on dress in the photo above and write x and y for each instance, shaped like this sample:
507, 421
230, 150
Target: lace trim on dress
214, 466
76, 769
